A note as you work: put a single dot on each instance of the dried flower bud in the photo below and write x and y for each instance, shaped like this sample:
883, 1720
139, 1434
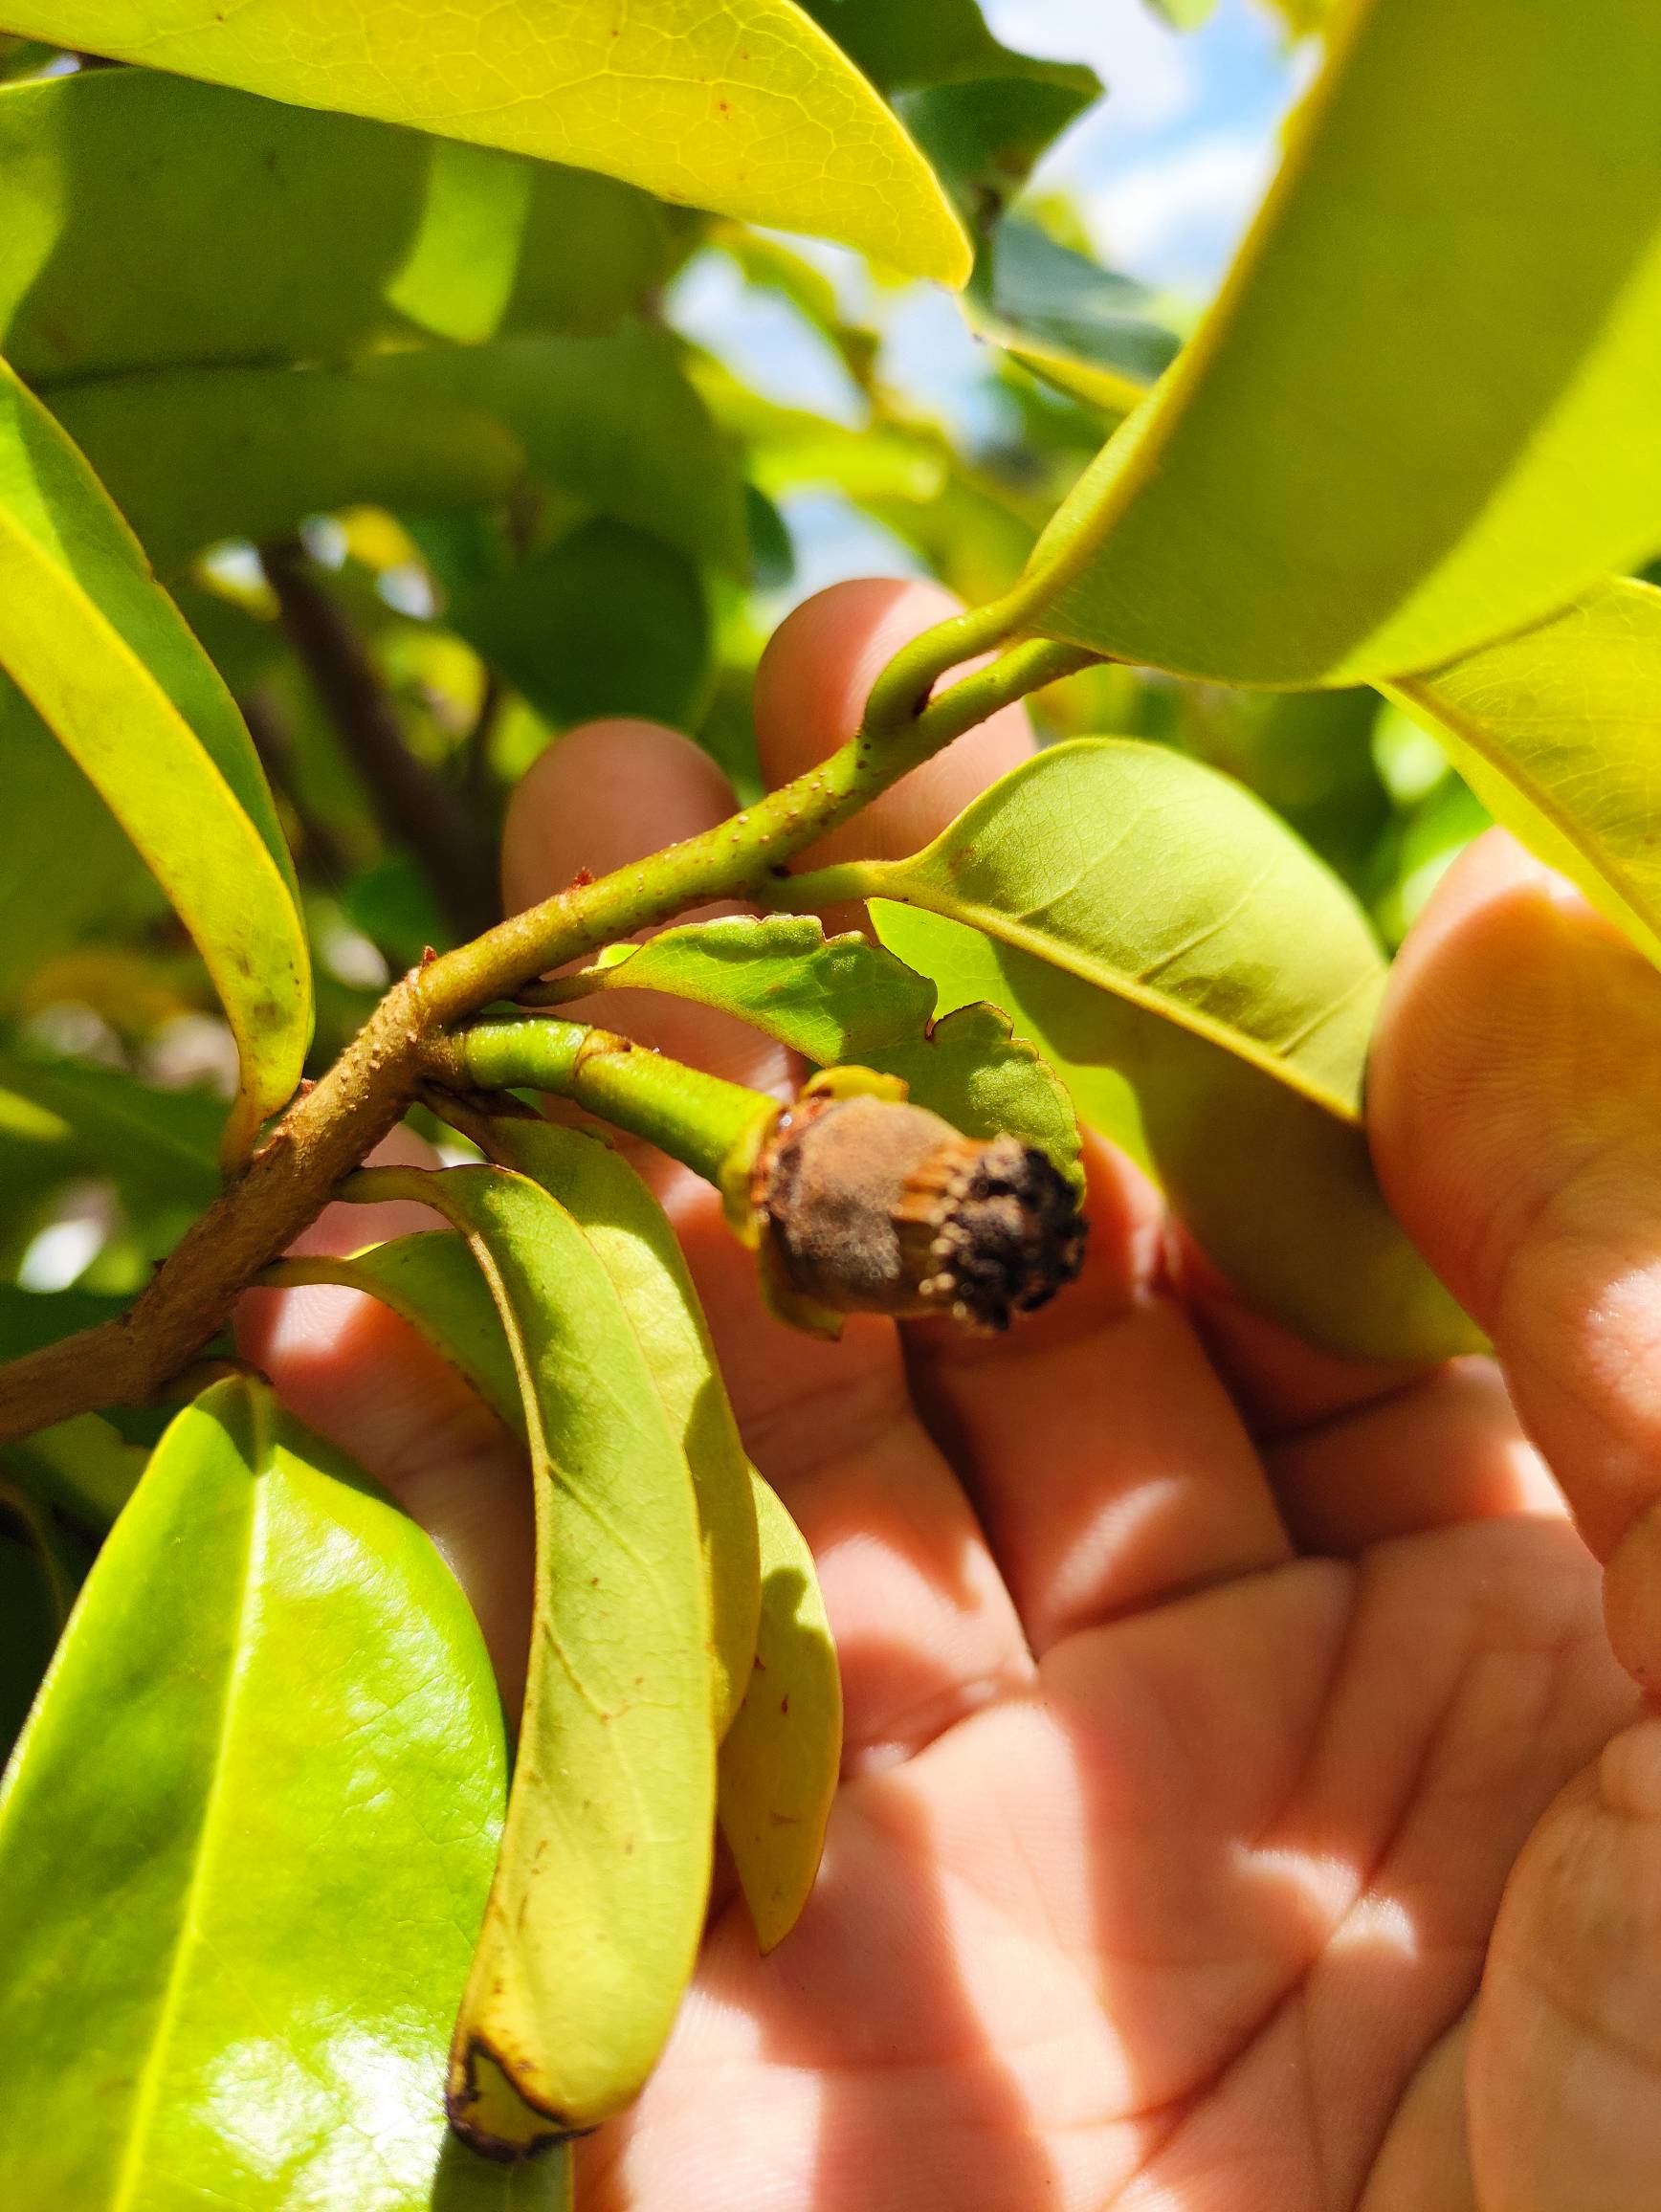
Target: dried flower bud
870, 1206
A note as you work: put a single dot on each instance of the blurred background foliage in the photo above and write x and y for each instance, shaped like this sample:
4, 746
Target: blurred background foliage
442, 452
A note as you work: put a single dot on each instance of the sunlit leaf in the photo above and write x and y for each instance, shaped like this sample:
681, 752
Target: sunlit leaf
635, 1245
197, 455
842, 1000
106, 661
1148, 915
1422, 410
1558, 731
743, 106
154, 223
600, 1891
245, 1842
780, 1757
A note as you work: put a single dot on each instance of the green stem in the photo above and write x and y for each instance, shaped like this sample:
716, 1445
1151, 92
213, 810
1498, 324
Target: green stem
738, 856
695, 1118
824, 887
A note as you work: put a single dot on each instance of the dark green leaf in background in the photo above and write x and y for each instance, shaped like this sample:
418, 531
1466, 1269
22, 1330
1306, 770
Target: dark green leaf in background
154, 223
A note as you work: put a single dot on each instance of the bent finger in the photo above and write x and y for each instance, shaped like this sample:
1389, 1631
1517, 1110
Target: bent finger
1514, 1120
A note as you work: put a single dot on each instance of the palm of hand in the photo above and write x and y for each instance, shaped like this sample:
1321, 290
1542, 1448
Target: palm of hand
1192, 1911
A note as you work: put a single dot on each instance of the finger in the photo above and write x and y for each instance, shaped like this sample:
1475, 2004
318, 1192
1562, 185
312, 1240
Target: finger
811, 693
924, 1628
1109, 1467
1513, 1109
352, 1370
605, 794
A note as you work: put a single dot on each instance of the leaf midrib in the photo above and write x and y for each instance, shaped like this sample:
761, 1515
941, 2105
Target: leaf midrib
129, 2175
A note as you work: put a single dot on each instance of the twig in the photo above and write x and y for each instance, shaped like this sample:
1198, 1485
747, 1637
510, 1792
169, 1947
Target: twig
327, 1131
444, 832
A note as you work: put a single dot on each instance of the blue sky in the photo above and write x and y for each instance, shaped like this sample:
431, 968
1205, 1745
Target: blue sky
1165, 173
1168, 168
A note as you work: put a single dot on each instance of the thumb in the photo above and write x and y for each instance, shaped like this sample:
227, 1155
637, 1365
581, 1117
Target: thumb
1515, 1109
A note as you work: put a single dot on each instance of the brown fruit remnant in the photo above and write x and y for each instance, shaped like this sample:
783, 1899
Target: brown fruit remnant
870, 1206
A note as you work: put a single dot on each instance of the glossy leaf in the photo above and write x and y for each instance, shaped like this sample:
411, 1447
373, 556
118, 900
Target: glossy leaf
631, 1237
1085, 329
154, 223
606, 621
197, 455
744, 107
598, 1902
1148, 915
843, 1001
1558, 731
106, 661
781, 1756
245, 1843
1424, 400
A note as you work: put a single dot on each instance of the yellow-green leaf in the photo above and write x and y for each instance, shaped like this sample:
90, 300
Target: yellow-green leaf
781, 1756
1558, 731
741, 105
1147, 914
106, 660
600, 1892
1422, 410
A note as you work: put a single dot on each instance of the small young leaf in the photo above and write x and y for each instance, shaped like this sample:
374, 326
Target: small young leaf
1149, 915
745, 107
155, 223
842, 1001
1425, 398
600, 1891
1555, 731
245, 1842
105, 659
781, 1756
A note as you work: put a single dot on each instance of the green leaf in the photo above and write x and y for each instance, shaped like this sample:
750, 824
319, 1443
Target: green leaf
1148, 915
1184, 14
840, 1001
1425, 401
744, 106
631, 1238
1557, 731
1083, 328
91, 1120
431, 1282
51, 810
606, 621
782, 1754
197, 455
598, 1902
245, 1842
107, 662
830, 999
154, 223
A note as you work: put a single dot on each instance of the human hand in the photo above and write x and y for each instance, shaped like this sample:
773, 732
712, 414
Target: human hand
1244, 1807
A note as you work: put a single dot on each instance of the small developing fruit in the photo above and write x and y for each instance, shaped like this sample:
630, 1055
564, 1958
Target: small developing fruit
870, 1206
